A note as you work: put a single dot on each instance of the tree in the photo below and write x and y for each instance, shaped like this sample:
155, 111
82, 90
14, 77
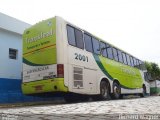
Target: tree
154, 69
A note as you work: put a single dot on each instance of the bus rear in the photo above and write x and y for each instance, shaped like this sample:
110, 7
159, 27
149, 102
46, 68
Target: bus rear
41, 73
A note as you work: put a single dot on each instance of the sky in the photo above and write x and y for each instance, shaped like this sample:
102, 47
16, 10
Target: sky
131, 25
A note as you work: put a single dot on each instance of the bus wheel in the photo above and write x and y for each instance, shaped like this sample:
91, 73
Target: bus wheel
104, 90
143, 94
116, 91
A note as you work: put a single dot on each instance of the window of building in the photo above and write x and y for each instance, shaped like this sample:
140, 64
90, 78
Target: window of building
128, 60
71, 35
103, 49
13, 53
120, 56
124, 58
88, 42
96, 46
109, 52
115, 54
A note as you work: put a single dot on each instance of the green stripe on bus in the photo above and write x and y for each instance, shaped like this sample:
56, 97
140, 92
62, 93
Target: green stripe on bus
99, 63
33, 64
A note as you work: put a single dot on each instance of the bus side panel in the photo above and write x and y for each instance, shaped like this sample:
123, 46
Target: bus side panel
130, 78
83, 71
80, 70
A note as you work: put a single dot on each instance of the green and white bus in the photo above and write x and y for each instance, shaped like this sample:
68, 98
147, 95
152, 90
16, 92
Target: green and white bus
61, 57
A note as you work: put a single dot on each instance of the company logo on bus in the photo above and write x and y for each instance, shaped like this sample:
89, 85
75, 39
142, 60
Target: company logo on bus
39, 36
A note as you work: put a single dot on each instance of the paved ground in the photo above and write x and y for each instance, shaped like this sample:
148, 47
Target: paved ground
104, 110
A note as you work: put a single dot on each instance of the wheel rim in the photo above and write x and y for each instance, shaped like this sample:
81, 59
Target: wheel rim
104, 91
117, 91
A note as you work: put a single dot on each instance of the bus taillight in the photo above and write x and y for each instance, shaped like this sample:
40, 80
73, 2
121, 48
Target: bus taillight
60, 70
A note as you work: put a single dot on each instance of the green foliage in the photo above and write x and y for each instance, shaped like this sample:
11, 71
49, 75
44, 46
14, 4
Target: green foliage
154, 69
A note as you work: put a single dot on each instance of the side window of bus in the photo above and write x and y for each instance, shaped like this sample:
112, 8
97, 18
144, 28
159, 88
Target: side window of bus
71, 35
103, 49
96, 46
128, 60
79, 39
109, 52
134, 61
131, 58
140, 62
115, 54
120, 56
75, 37
124, 58
88, 42
137, 62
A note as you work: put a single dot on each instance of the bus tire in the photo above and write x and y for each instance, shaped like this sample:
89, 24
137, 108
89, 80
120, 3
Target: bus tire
104, 90
116, 91
144, 92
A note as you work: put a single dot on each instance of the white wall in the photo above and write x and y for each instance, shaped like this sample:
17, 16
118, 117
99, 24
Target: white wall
10, 68
11, 30
12, 24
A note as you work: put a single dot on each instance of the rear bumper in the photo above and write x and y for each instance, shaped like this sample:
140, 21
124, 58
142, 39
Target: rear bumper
43, 86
